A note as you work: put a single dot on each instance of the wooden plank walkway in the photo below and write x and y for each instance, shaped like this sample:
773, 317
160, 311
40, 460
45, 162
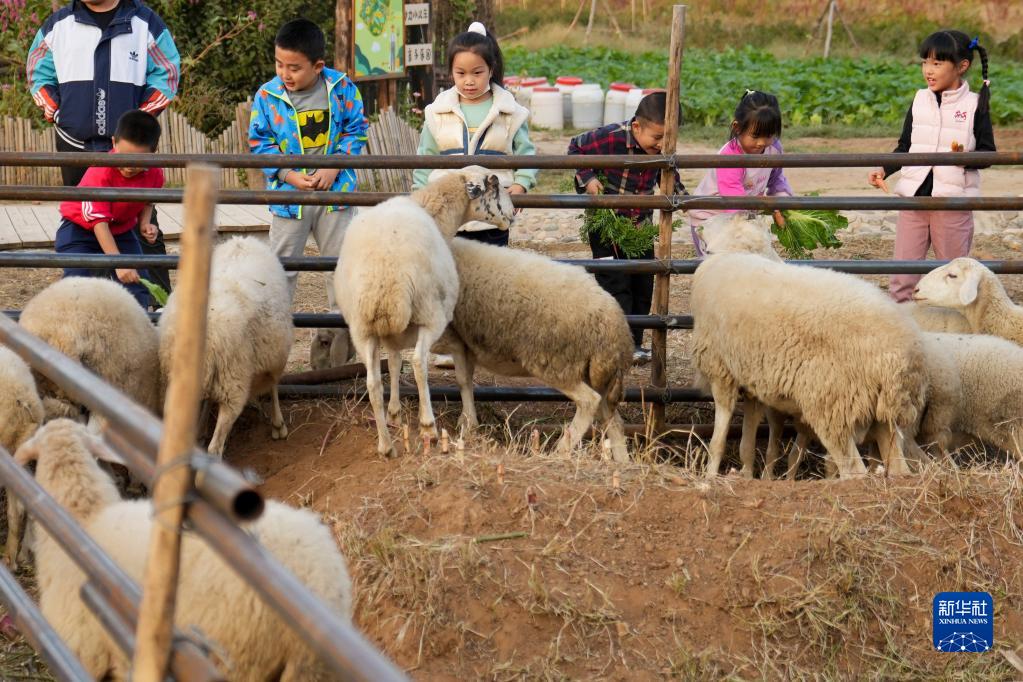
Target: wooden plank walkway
25, 226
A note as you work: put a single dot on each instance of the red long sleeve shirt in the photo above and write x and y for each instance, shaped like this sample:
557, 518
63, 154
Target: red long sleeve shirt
121, 215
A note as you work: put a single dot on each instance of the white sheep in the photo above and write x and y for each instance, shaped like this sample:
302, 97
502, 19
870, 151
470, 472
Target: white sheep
987, 400
522, 314
330, 348
248, 333
255, 642
21, 410
822, 345
968, 287
396, 283
99, 324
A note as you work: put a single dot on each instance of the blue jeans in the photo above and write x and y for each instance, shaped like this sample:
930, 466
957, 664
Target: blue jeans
72, 238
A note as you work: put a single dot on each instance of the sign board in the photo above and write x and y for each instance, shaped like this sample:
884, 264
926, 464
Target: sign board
417, 14
379, 38
419, 55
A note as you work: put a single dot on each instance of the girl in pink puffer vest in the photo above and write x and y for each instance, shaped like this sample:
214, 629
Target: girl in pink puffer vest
945, 116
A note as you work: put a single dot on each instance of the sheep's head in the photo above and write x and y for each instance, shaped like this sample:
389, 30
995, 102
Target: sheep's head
489, 201
953, 285
736, 233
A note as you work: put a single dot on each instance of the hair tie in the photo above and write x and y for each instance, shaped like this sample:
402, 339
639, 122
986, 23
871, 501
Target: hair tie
974, 44
477, 27
987, 83
749, 92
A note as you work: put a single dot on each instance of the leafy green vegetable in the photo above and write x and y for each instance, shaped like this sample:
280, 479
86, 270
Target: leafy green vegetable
614, 230
807, 230
158, 293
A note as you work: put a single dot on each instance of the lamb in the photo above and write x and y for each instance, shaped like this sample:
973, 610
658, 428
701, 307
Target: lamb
254, 640
249, 334
840, 354
21, 410
967, 286
330, 348
97, 323
396, 282
522, 314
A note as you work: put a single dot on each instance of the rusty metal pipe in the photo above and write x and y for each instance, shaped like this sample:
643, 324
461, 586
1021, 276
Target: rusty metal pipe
539, 394
565, 201
545, 162
128, 419
39, 633
325, 376
122, 593
29, 259
336, 641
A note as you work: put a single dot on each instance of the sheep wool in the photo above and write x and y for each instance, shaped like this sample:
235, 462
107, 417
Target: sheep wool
97, 323
823, 345
396, 282
250, 636
523, 314
21, 410
249, 333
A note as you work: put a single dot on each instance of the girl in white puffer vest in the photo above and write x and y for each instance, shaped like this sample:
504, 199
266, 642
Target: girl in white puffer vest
945, 116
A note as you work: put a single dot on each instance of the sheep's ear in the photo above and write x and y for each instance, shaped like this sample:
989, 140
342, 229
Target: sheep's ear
474, 190
493, 184
968, 290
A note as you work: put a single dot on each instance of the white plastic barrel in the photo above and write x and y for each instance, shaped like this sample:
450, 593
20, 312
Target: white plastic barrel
614, 105
525, 91
546, 107
587, 106
633, 99
566, 84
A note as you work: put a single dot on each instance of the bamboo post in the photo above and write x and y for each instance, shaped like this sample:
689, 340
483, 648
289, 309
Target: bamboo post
662, 282
831, 23
589, 22
181, 412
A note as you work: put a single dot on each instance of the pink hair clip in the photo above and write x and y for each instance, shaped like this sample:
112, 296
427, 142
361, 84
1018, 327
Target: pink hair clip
987, 83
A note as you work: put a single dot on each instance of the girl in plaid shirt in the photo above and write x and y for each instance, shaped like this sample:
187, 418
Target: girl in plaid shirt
642, 134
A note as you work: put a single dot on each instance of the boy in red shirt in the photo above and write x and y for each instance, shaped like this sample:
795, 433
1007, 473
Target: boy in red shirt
107, 227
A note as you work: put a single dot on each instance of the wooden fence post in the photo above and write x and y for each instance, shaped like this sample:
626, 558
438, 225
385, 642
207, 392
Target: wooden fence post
662, 283
181, 412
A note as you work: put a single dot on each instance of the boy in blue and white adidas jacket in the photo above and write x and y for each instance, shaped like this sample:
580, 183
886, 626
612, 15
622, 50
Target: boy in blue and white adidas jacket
94, 60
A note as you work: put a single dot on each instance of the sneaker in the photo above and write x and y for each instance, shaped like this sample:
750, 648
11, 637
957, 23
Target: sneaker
641, 356
443, 361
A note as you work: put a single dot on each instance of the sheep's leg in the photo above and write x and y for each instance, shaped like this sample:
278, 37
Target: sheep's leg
586, 401
16, 518
465, 367
798, 449
753, 411
227, 414
369, 351
775, 425
615, 431
890, 443
421, 368
394, 369
724, 406
845, 455
278, 429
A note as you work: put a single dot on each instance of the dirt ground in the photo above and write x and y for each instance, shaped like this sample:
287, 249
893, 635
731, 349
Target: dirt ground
502, 562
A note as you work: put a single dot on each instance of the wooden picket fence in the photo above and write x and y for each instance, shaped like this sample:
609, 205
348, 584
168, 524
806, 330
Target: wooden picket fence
388, 135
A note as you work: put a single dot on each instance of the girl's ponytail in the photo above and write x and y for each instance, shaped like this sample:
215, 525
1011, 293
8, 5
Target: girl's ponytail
984, 96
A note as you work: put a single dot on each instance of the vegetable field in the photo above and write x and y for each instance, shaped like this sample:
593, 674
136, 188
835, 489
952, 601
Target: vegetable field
812, 91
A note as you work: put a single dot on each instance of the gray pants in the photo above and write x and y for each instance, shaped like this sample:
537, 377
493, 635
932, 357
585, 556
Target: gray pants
288, 238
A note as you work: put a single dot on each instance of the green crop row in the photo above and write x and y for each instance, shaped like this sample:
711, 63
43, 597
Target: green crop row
812, 91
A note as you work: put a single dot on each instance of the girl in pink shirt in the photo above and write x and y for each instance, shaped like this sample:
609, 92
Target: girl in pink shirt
755, 129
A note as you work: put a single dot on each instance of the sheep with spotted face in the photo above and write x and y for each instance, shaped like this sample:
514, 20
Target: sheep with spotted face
254, 641
396, 283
